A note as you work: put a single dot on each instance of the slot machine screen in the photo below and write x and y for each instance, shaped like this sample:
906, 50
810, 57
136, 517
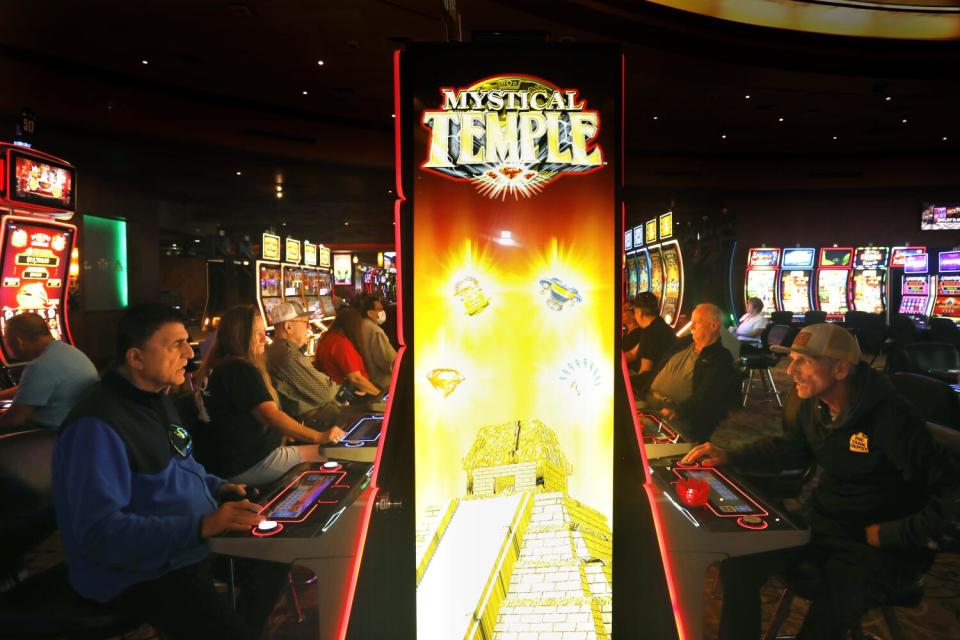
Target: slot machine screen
832, 291
269, 281
915, 286
762, 284
795, 290
297, 500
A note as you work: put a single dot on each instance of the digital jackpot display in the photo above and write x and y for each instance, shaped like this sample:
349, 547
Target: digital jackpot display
35, 264
270, 247
37, 180
515, 240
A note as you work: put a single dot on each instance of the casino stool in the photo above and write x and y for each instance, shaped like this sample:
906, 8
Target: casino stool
814, 316
803, 581
777, 334
781, 317
42, 605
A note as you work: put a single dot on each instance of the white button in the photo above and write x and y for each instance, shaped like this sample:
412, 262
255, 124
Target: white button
267, 525
330, 465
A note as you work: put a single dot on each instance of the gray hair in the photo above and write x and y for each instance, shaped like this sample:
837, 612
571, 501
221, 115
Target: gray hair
713, 312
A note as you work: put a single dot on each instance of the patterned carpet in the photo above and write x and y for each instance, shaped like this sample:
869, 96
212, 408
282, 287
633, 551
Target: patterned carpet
938, 617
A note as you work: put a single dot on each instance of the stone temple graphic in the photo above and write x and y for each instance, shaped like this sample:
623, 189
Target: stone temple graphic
516, 557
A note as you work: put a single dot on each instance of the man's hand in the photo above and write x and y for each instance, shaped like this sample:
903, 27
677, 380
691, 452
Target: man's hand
332, 436
231, 516
708, 454
668, 413
873, 535
230, 490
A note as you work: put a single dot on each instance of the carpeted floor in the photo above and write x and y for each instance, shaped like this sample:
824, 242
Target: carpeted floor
937, 617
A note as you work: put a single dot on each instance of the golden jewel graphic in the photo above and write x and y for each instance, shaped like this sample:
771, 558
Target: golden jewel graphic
445, 380
559, 293
471, 295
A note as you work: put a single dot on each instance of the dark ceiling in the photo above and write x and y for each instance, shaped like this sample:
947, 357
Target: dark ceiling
177, 96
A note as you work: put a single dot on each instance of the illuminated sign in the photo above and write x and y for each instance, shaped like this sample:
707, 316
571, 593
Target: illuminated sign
916, 263
342, 268
949, 262
666, 225
651, 231
898, 255
511, 134
628, 240
484, 470
39, 181
638, 236
270, 247
293, 251
309, 254
763, 257
870, 258
323, 256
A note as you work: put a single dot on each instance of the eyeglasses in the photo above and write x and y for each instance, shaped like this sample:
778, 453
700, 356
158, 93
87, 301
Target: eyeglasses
180, 439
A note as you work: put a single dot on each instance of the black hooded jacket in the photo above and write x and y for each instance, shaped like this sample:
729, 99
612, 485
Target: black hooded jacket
877, 463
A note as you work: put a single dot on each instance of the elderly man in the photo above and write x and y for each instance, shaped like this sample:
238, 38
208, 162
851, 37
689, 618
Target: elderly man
881, 497
375, 348
56, 378
306, 394
691, 386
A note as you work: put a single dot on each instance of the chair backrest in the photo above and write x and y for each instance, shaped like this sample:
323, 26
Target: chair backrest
780, 335
814, 316
903, 330
25, 487
944, 330
936, 400
781, 317
922, 357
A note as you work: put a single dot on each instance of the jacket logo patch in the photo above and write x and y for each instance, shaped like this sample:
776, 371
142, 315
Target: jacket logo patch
859, 443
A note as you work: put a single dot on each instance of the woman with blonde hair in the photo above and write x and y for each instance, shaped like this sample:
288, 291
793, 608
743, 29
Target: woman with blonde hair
243, 441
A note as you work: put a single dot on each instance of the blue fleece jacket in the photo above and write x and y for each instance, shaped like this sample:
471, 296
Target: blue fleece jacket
129, 506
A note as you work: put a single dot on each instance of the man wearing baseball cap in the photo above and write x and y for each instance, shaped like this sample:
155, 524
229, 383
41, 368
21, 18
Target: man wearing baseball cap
876, 505
306, 394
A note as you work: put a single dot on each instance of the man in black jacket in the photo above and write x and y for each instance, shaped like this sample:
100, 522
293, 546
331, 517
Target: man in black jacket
879, 501
692, 384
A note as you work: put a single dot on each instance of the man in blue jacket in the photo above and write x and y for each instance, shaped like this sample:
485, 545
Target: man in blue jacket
133, 506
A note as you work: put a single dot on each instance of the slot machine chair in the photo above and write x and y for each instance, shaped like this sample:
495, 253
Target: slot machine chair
781, 317
804, 580
777, 334
936, 400
944, 330
814, 316
869, 329
42, 605
923, 358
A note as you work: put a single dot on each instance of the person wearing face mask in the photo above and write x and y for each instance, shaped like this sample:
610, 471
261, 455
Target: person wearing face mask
375, 348
882, 499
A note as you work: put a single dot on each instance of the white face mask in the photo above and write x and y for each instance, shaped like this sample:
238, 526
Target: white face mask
381, 316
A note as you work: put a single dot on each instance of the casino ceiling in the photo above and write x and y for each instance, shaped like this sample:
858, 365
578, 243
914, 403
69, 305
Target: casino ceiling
213, 103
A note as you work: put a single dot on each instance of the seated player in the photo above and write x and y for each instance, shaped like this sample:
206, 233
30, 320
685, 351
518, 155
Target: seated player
133, 506
877, 507
753, 322
654, 339
243, 441
631, 333
307, 393
338, 355
373, 344
54, 381
691, 387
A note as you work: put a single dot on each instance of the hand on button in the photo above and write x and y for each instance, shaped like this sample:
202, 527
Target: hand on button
267, 525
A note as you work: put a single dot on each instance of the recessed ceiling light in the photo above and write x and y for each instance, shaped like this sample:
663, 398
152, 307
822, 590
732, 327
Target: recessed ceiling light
904, 121
144, 62
944, 138
746, 97
390, 191
346, 224
834, 137
280, 195
279, 187
724, 136
320, 63
888, 98
656, 117
779, 119
304, 92
239, 173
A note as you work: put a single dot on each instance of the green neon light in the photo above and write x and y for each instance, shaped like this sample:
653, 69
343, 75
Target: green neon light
108, 237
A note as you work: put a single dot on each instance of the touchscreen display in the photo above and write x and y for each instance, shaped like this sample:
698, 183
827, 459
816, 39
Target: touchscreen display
724, 499
299, 498
366, 429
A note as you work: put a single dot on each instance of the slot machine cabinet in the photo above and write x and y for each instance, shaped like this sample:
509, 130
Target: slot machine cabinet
947, 302
641, 260
672, 303
868, 282
916, 289
760, 281
37, 197
833, 281
630, 265
795, 282
896, 288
